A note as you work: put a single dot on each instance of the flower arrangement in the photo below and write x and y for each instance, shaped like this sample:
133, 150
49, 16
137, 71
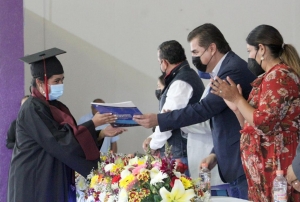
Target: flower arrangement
139, 178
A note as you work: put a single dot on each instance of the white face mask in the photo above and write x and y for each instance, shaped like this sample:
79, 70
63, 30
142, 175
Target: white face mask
56, 91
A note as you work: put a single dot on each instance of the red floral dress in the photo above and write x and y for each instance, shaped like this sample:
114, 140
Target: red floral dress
275, 97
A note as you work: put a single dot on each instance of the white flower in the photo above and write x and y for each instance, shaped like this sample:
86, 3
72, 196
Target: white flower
108, 167
114, 186
133, 161
112, 198
123, 196
177, 174
102, 196
138, 161
178, 193
125, 173
157, 176
90, 199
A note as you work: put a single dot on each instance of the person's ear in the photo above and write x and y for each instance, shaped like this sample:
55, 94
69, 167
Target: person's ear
38, 82
164, 64
213, 48
262, 49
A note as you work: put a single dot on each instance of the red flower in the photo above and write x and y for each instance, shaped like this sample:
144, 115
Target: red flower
173, 181
116, 179
181, 167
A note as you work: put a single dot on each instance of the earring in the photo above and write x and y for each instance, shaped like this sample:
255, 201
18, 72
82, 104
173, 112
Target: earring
42, 90
262, 58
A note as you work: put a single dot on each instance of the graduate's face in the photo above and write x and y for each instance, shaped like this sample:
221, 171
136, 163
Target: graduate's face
53, 80
56, 79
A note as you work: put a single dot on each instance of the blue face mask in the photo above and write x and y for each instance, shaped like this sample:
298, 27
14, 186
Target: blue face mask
56, 91
203, 75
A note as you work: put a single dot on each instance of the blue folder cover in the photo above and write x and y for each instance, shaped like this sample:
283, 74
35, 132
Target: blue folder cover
123, 110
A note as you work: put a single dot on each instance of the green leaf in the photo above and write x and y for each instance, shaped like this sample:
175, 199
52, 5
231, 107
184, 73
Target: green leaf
157, 198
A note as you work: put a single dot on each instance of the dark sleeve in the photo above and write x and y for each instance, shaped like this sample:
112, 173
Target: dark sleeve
99, 142
57, 140
192, 113
11, 135
208, 107
296, 163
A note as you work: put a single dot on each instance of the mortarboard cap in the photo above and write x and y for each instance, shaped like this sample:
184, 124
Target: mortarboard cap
44, 62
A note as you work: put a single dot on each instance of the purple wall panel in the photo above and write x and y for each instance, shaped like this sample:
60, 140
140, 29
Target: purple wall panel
11, 78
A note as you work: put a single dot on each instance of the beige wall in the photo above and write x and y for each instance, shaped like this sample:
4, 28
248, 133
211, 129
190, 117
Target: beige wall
111, 45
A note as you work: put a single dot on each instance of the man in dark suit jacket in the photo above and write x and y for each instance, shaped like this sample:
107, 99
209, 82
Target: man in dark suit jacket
211, 53
293, 171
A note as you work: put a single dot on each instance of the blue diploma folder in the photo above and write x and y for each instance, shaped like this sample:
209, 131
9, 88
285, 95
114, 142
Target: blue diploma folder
123, 110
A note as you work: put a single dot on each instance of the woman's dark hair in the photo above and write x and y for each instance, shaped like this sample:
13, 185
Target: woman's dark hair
33, 81
207, 34
270, 37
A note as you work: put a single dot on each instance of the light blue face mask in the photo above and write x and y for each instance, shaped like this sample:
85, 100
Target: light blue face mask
56, 91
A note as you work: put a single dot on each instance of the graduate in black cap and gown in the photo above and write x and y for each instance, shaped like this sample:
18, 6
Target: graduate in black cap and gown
49, 144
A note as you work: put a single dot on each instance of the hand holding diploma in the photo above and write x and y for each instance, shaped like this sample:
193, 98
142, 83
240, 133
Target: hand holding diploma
146, 120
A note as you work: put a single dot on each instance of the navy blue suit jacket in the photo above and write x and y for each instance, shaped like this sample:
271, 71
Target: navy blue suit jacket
224, 124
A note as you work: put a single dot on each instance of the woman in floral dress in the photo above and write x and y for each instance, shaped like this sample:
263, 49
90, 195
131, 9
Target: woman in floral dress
270, 117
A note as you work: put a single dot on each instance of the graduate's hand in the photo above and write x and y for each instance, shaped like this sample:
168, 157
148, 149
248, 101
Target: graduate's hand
146, 120
110, 131
211, 161
101, 119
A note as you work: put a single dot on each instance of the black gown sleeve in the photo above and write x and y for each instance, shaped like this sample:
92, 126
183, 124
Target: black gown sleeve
11, 135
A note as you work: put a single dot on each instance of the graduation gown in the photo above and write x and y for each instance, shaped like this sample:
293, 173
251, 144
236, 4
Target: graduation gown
11, 135
46, 155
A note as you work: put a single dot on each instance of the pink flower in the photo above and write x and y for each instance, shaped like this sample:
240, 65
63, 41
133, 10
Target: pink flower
136, 170
156, 164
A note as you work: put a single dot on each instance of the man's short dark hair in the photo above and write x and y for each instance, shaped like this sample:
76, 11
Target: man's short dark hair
98, 100
171, 51
207, 34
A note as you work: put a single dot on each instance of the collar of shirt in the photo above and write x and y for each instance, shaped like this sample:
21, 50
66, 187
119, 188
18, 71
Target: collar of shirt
213, 74
217, 67
173, 73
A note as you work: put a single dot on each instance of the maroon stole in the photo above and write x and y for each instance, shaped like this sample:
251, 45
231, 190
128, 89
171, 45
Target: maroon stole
62, 115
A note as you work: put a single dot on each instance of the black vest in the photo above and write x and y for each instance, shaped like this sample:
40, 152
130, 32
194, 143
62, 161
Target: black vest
184, 73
